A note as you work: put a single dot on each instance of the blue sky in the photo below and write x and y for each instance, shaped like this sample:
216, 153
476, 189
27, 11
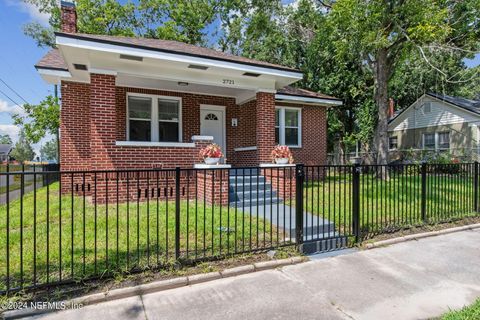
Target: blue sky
18, 54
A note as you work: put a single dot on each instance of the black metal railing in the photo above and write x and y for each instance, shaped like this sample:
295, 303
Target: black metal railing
79, 225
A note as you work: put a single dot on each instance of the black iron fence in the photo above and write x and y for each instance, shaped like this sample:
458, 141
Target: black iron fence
82, 225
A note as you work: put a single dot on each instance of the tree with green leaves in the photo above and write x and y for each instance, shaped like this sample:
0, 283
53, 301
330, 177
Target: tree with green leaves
382, 33
5, 139
182, 20
48, 151
94, 16
22, 151
40, 119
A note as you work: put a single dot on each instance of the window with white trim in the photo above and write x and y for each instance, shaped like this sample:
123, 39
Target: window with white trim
288, 129
393, 143
436, 141
429, 141
153, 118
443, 140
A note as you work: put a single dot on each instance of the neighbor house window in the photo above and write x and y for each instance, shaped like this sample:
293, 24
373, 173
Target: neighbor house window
393, 143
288, 126
429, 141
436, 141
444, 140
154, 118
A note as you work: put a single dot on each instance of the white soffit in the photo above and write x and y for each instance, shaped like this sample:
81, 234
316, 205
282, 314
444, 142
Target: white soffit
311, 100
98, 51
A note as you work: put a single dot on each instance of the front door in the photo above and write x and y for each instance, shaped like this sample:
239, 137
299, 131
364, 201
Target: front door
212, 123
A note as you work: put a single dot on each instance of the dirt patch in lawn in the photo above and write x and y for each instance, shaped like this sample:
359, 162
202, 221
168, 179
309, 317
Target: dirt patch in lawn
69, 291
424, 228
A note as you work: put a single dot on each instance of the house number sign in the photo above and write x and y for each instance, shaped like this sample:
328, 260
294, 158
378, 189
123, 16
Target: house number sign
228, 81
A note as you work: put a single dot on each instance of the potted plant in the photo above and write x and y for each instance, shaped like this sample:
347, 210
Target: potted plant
211, 154
282, 155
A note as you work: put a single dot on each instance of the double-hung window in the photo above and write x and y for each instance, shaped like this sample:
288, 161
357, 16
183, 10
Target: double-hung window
393, 143
288, 129
444, 140
436, 141
429, 141
154, 118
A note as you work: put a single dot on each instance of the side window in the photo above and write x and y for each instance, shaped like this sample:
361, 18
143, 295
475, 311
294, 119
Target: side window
393, 143
429, 141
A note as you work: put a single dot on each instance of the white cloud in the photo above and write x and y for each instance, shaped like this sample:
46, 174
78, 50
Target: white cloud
11, 109
11, 130
31, 10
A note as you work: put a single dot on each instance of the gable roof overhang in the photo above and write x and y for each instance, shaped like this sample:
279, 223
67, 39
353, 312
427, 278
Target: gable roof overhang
394, 121
138, 65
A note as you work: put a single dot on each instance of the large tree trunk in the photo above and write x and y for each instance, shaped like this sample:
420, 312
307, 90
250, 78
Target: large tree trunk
381, 73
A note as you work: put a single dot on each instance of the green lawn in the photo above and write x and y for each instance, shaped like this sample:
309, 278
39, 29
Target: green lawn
123, 237
386, 205
467, 313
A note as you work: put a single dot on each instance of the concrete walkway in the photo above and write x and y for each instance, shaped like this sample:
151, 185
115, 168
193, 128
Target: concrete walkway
411, 280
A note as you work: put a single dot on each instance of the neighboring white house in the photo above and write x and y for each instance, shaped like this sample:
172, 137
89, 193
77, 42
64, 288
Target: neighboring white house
437, 123
5, 150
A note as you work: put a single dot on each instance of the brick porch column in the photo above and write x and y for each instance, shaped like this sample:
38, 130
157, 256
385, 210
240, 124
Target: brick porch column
265, 126
103, 117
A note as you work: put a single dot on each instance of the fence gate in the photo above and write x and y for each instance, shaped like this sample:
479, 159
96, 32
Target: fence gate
329, 199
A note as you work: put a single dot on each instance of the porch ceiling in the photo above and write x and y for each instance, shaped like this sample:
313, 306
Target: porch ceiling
127, 80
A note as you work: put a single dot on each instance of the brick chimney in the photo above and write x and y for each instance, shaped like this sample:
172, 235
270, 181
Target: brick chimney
391, 108
68, 16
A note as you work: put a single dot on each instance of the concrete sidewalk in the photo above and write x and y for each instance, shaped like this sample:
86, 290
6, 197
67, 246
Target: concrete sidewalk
411, 280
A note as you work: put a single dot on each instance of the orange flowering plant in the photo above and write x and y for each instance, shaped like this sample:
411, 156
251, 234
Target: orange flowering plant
211, 151
282, 152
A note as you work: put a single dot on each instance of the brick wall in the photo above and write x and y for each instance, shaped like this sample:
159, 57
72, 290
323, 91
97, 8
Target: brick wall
171, 157
75, 126
265, 129
244, 134
103, 130
314, 137
83, 135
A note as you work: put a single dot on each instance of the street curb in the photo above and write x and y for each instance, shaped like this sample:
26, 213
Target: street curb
158, 286
417, 236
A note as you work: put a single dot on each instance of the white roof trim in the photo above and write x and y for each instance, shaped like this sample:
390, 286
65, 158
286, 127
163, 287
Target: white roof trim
394, 122
299, 99
54, 73
120, 49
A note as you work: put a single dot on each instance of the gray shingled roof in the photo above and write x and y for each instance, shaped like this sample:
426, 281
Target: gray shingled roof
293, 91
467, 104
5, 149
470, 105
52, 60
55, 60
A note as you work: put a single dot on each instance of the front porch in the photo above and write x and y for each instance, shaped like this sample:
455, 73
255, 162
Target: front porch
155, 128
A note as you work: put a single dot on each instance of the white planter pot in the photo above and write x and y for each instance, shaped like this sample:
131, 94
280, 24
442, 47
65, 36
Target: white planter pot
211, 161
281, 160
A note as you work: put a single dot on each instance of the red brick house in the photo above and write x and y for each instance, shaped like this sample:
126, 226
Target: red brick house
147, 103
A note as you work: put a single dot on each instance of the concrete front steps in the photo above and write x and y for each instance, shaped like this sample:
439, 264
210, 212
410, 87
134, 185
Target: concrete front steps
251, 193
249, 189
